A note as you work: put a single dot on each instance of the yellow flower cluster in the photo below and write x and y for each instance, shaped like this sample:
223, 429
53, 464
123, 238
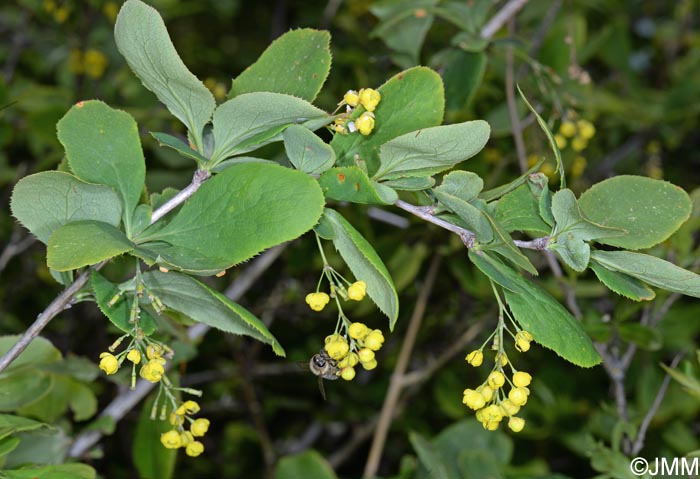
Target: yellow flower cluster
578, 133
489, 400
356, 292
368, 98
179, 436
153, 370
363, 343
59, 14
91, 62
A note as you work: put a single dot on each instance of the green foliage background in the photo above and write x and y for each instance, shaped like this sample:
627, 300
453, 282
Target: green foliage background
626, 66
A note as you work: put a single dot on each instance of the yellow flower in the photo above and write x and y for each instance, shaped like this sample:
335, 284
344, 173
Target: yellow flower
473, 399
532, 159
516, 424
366, 355
518, 396
154, 351
176, 419
186, 437
365, 123
579, 143
199, 427
134, 356
152, 371
560, 141
358, 330
374, 340
352, 98
191, 407
317, 301
349, 361
337, 349
509, 408
171, 439
585, 129
486, 391
358, 289
194, 449
522, 379
567, 128
94, 63
522, 345
369, 98
475, 358
348, 373
496, 379
111, 9
108, 363
369, 365
502, 358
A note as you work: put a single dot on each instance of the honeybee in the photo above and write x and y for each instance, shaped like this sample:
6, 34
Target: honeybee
324, 367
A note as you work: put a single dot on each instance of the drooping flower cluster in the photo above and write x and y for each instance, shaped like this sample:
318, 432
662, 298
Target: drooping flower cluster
489, 400
179, 436
356, 345
152, 370
368, 98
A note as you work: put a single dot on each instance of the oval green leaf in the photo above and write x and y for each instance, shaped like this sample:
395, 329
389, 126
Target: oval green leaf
649, 210
84, 243
351, 183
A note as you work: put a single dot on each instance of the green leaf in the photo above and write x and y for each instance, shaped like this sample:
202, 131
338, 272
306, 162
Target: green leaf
641, 335
7, 445
237, 160
58, 471
550, 324
23, 388
655, 271
238, 213
39, 352
102, 146
504, 246
120, 312
10, 424
307, 464
45, 201
429, 456
689, 383
84, 243
205, 305
519, 211
495, 193
151, 459
623, 284
411, 100
351, 183
410, 184
572, 230
82, 401
457, 189
297, 63
180, 146
252, 120
401, 29
431, 150
144, 42
141, 218
553, 144
462, 73
306, 151
649, 210
364, 263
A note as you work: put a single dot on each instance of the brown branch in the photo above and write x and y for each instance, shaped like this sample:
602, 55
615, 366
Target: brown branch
392, 395
63, 300
507, 12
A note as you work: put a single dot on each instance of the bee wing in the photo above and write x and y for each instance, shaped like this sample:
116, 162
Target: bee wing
303, 365
321, 388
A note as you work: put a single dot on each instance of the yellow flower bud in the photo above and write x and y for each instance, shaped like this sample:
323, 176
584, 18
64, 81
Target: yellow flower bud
108, 363
486, 391
358, 289
370, 98
366, 355
509, 408
522, 345
199, 427
134, 356
493, 413
357, 330
365, 125
579, 143
348, 373
502, 359
518, 396
473, 399
496, 379
567, 129
524, 335
337, 349
194, 449
374, 340
475, 358
152, 371
585, 129
491, 425
522, 379
369, 365
317, 301
560, 141
352, 98
154, 351
516, 424
171, 439
349, 361
176, 419
186, 437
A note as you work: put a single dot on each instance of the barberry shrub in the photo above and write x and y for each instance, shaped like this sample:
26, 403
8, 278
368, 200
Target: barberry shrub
388, 148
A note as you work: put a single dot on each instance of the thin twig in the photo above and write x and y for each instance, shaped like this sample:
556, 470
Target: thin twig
329, 13
569, 292
538, 39
504, 14
515, 127
641, 434
63, 300
128, 399
16, 246
392, 395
